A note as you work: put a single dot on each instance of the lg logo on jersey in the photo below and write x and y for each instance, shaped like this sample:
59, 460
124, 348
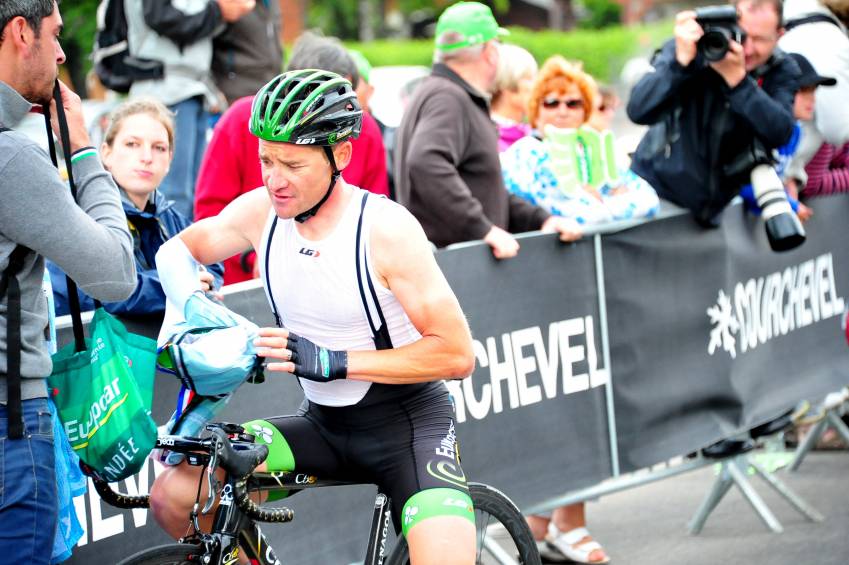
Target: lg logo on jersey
309, 252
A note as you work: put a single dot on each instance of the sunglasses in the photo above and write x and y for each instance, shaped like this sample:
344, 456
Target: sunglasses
572, 103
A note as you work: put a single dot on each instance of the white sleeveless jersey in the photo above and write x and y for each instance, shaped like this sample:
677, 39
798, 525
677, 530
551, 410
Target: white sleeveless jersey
315, 288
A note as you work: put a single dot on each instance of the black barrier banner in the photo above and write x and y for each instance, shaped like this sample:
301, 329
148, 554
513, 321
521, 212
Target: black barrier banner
712, 333
532, 416
709, 333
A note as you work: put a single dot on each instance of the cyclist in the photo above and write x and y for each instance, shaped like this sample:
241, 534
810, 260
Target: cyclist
367, 322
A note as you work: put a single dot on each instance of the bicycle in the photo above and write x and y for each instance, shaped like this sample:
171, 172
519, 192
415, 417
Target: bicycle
235, 529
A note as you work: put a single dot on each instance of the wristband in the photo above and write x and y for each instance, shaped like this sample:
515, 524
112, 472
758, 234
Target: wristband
81, 154
316, 363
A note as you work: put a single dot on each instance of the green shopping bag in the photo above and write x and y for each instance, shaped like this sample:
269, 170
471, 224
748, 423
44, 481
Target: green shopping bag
103, 394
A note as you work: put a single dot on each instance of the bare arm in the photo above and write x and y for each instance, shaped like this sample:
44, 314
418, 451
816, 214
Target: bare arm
403, 258
237, 228
209, 241
404, 261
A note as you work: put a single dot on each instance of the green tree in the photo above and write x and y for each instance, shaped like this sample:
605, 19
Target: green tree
342, 18
600, 14
77, 39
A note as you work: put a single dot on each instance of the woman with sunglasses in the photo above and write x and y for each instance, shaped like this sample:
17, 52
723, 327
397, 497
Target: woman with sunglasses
553, 166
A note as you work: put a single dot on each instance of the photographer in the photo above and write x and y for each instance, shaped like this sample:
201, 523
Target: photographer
709, 108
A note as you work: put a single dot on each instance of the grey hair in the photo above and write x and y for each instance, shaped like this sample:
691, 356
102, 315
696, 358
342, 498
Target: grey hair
313, 51
463, 54
33, 11
514, 64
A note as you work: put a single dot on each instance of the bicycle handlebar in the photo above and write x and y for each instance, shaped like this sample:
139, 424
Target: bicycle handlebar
117, 499
241, 464
254, 510
237, 463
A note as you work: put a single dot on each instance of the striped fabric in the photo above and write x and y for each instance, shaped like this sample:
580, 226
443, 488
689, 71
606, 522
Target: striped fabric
828, 171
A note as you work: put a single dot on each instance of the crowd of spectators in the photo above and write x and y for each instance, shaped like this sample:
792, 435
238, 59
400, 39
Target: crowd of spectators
550, 163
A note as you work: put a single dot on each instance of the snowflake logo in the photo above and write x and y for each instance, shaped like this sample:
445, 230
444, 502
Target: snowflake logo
409, 514
725, 325
263, 433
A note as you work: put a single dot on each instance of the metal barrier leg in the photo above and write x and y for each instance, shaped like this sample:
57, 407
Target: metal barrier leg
718, 490
838, 425
737, 470
807, 444
794, 499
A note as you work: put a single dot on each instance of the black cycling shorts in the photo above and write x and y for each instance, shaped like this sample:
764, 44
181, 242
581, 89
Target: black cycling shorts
404, 446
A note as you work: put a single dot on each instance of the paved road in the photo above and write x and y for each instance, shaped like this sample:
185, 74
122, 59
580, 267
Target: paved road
648, 525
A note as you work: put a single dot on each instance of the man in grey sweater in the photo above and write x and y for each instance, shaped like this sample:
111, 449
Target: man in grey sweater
90, 242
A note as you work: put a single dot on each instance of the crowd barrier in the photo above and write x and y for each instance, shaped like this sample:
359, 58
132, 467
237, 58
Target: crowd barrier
594, 359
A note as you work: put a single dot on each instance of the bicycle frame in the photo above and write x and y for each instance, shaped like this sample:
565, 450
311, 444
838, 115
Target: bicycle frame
232, 531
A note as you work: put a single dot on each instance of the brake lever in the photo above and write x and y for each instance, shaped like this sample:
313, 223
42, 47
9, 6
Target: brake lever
211, 482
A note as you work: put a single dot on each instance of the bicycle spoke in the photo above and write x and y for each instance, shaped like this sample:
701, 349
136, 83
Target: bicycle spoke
489, 546
481, 533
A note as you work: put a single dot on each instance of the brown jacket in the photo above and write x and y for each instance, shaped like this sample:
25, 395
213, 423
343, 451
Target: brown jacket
447, 169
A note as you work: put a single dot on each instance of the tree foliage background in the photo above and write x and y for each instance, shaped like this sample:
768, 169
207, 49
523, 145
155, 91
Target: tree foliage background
79, 17
347, 19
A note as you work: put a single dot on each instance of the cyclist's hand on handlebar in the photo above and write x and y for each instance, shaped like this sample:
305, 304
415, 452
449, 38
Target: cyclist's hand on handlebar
300, 356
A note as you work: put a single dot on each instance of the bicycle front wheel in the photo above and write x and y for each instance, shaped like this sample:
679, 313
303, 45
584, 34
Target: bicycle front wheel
503, 535
172, 554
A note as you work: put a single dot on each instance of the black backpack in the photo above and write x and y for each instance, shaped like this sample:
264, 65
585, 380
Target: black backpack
114, 65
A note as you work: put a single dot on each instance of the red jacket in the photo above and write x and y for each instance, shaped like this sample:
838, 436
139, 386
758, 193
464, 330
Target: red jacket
230, 168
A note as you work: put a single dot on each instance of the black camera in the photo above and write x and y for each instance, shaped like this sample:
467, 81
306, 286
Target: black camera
720, 26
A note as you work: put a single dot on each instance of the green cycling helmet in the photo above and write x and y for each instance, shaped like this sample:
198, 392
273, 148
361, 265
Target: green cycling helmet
306, 107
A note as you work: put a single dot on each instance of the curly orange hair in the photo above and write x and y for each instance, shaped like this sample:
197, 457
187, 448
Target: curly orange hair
556, 75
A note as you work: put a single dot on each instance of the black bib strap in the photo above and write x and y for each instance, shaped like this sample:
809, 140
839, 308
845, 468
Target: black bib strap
274, 310
371, 305
379, 331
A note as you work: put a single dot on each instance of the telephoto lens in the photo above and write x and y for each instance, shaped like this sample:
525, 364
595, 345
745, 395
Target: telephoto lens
783, 228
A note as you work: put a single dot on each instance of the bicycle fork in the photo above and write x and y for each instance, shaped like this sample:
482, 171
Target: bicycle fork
379, 533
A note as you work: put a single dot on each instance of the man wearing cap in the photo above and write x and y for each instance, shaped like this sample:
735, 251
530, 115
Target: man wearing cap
447, 169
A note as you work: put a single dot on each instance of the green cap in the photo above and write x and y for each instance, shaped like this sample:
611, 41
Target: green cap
473, 21
362, 64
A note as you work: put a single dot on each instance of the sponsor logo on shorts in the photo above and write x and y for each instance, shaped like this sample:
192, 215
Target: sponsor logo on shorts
447, 445
456, 503
447, 471
410, 514
263, 433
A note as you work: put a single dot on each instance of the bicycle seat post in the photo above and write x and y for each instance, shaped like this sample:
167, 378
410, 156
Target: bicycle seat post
381, 519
